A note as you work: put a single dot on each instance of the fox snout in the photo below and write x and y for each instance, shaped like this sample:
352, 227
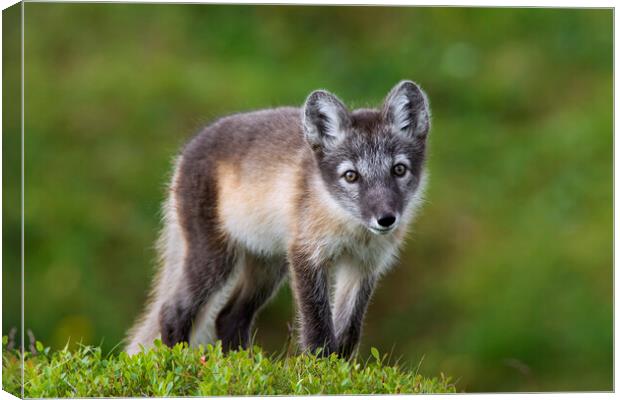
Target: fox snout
383, 222
381, 208
386, 220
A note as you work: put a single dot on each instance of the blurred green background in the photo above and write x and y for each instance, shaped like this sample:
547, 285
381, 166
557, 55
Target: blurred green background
506, 281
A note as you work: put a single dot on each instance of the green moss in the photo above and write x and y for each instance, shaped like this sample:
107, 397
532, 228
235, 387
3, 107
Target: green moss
183, 371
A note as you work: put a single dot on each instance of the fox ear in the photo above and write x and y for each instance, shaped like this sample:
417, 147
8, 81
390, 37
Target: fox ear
325, 119
406, 108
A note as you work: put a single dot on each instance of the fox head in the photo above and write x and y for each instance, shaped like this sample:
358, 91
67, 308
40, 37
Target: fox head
371, 160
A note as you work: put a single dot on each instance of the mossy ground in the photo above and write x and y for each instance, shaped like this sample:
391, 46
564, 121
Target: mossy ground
205, 371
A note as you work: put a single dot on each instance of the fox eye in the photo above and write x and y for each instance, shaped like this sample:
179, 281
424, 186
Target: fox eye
399, 170
350, 176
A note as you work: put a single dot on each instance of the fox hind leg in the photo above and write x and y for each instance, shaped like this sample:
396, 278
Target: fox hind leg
259, 280
207, 266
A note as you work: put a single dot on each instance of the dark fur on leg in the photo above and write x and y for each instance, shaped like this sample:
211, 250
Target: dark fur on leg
175, 321
206, 270
260, 280
311, 289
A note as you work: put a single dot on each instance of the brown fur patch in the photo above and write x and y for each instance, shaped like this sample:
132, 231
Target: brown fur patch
254, 207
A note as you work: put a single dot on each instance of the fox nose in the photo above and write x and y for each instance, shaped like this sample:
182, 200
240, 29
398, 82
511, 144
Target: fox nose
386, 220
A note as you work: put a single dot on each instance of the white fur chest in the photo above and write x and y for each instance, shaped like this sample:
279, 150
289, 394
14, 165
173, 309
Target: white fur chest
371, 252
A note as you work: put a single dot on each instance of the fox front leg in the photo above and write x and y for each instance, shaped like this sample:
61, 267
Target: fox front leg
354, 288
309, 282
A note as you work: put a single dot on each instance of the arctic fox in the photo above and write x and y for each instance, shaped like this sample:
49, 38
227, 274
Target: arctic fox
319, 193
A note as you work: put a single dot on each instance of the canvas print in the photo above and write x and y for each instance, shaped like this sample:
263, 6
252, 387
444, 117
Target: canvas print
204, 200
